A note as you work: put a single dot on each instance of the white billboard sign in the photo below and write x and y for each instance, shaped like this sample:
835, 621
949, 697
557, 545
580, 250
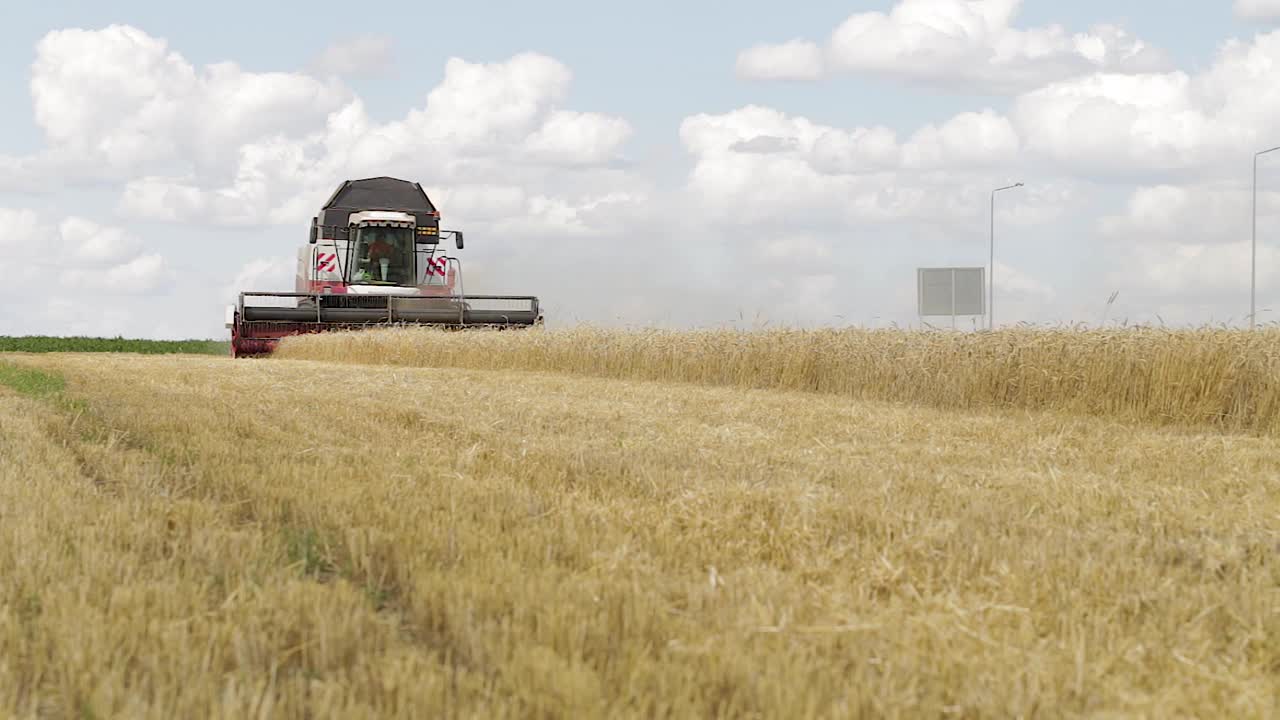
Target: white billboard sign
951, 291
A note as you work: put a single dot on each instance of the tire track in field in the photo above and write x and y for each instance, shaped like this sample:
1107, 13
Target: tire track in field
122, 468
97, 441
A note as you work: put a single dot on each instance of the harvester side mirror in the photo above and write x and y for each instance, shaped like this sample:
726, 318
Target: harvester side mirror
315, 232
457, 237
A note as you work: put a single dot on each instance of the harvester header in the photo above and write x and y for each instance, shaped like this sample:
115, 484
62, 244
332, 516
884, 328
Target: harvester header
374, 258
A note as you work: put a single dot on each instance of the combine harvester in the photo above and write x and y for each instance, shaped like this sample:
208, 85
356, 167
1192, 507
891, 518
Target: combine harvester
374, 258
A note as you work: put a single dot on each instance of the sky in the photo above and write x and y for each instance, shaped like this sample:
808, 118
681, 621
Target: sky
670, 164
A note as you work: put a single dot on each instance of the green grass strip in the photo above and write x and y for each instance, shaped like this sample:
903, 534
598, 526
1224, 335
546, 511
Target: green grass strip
42, 344
31, 382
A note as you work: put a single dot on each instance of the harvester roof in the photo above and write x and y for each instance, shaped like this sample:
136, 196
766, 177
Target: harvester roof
380, 193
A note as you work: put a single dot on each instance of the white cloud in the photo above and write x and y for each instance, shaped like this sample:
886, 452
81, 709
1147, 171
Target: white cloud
75, 276
1189, 281
791, 249
360, 54
1183, 247
755, 163
267, 274
794, 60
157, 198
1113, 124
1182, 253
1131, 125
483, 122
73, 242
117, 102
1202, 214
837, 151
968, 44
553, 219
81, 254
1041, 204
480, 105
1161, 125
1019, 285
94, 244
141, 275
23, 231
805, 297
482, 202
968, 140
576, 138
1264, 10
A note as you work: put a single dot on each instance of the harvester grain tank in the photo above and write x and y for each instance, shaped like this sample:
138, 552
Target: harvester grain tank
374, 258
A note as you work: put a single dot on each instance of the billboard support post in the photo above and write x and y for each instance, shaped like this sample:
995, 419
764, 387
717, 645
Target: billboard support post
991, 314
953, 298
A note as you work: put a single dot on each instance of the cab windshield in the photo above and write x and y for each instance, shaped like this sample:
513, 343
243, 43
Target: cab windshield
383, 256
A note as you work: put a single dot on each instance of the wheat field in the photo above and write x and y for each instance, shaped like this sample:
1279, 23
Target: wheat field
1223, 379
604, 535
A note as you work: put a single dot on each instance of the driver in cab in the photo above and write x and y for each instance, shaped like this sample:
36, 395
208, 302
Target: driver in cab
380, 248
381, 254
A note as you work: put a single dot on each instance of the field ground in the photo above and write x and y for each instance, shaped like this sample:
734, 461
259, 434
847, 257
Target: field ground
188, 536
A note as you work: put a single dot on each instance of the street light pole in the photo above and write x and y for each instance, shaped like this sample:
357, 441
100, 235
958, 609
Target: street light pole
1253, 261
991, 275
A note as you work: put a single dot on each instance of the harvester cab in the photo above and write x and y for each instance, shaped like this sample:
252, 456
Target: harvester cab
374, 258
